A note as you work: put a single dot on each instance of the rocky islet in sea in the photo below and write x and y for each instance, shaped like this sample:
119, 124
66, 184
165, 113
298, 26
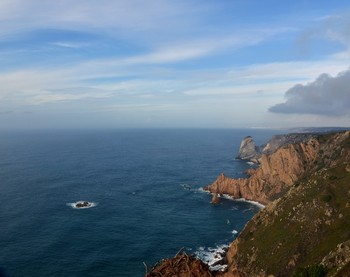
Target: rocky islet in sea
83, 204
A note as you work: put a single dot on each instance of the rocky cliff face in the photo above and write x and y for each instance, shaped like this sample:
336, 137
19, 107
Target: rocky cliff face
276, 174
279, 141
181, 265
307, 229
304, 231
249, 151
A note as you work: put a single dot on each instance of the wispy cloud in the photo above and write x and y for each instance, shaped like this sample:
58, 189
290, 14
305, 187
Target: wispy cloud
69, 44
334, 28
135, 57
112, 16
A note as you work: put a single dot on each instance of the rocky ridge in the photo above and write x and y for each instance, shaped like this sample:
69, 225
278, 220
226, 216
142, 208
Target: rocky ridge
276, 174
250, 152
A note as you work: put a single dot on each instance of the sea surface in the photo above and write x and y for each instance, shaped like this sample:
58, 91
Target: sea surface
146, 187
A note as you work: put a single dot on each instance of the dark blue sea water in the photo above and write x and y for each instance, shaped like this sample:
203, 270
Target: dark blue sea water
136, 177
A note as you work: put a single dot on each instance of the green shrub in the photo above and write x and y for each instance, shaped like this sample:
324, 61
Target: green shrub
301, 272
311, 271
327, 198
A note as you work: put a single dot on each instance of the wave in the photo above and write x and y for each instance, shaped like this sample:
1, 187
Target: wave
74, 205
229, 197
202, 190
213, 256
261, 206
186, 186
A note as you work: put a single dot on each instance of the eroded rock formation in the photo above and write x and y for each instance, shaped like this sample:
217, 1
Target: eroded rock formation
276, 174
182, 265
249, 151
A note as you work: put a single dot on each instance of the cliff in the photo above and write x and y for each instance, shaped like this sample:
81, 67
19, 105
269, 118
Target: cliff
249, 151
276, 174
304, 229
307, 229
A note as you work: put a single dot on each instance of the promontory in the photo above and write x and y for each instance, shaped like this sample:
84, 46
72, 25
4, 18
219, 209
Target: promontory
304, 228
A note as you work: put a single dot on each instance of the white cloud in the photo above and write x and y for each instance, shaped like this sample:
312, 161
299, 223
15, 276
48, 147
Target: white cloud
120, 16
69, 44
325, 96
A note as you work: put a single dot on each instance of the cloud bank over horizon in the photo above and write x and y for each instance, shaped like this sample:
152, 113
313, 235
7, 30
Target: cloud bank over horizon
164, 63
329, 96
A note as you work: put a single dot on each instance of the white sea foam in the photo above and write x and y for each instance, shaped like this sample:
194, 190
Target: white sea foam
186, 186
250, 163
261, 206
227, 196
247, 210
212, 255
74, 205
201, 190
234, 232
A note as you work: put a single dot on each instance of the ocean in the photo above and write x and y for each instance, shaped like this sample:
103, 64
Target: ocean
146, 187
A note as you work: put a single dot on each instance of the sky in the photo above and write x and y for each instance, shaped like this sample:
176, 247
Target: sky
174, 64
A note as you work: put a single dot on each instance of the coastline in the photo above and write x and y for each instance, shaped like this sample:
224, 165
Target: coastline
229, 197
305, 180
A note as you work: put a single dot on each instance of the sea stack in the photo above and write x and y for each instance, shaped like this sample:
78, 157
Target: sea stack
215, 199
248, 150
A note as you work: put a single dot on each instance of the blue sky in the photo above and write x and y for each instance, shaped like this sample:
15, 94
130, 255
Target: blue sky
173, 64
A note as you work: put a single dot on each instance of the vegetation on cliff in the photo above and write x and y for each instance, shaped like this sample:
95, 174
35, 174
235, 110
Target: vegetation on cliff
304, 227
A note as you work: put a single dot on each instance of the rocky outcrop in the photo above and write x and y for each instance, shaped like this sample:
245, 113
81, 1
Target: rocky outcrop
215, 199
278, 141
277, 173
339, 259
182, 265
249, 151
83, 204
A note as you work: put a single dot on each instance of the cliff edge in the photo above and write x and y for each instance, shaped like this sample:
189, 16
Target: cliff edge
304, 229
277, 173
307, 229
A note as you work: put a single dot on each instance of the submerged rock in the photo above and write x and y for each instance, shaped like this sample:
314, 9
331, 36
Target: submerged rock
215, 199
